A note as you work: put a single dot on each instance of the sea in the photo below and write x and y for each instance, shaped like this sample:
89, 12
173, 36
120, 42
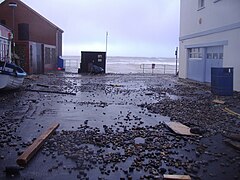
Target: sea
126, 65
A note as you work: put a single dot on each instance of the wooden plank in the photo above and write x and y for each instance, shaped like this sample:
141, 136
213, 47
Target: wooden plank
32, 77
180, 128
176, 177
23, 159
233, 136
234, 144
45, 91
231, 112
43, 85
217, 101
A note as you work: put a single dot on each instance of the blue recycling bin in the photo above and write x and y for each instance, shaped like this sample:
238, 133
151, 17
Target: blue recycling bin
60, 64
222, 81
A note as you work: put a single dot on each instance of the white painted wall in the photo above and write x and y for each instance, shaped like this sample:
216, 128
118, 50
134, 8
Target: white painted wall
183, 59
232, 56
214, 15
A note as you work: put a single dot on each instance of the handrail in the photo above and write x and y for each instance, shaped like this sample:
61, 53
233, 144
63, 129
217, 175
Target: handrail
164, 67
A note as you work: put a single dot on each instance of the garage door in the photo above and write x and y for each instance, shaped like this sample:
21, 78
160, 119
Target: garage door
196, 64
201, 60
214, 58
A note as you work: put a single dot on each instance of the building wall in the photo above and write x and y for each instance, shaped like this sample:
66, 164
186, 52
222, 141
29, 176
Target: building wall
40, 32
220, 25
214, 15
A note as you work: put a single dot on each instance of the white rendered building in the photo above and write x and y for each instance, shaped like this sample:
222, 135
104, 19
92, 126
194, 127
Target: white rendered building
209, 37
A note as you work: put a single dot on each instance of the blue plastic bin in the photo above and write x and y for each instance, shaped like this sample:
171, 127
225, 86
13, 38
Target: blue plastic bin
222, 81
60, 64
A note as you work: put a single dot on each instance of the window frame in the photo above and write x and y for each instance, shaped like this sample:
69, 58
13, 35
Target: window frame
201, 4
195, 53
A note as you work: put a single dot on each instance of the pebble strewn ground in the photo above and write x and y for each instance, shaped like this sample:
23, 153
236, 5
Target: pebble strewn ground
114, 128
195, 108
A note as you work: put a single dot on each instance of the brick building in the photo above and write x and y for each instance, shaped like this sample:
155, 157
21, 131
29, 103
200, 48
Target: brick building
38, 42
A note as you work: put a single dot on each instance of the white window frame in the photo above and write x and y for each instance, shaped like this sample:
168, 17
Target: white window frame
195, 53
201, 4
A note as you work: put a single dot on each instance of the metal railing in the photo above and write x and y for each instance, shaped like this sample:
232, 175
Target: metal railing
71, 63
158, 68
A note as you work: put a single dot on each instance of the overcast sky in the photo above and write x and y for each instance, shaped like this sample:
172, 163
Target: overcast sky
146, 28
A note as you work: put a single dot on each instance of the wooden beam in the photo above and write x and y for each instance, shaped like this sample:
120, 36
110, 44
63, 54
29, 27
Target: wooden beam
176, 177
217, 101
180, 128
43, 85
234, 144
45, 91
233, 136
23, 159
231, 112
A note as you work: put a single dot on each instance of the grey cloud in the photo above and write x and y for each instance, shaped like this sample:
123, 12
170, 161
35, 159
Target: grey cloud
148, 25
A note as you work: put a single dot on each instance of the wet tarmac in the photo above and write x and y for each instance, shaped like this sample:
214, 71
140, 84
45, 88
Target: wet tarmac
113, 127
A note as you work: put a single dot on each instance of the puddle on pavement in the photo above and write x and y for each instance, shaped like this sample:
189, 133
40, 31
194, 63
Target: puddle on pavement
139, 140
115, 116
172, 97
100, 102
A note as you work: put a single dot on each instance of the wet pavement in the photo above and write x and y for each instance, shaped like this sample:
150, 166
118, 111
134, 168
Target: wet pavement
113, 127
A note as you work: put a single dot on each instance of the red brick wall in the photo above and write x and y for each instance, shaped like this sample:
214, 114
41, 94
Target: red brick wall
39, 29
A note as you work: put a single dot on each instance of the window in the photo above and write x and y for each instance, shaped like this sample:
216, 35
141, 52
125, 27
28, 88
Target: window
1, 51
220, 55
209, 55
195, 53
53, 55
99, 58
31, 56
4, 50
3, 21
215, 55
50, 55
23, 31
47, 56
201, 4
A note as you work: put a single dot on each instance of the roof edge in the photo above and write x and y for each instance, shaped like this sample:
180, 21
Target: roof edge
35, 12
